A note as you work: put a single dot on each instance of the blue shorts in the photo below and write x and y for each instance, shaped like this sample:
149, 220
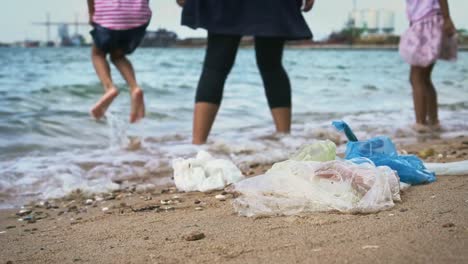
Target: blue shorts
108, 40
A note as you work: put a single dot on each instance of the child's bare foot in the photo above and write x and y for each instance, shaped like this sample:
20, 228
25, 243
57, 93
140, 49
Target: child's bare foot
421, 128
99, 109
138, 105
436, 127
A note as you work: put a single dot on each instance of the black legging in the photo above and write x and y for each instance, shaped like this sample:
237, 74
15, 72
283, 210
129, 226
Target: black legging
220, 57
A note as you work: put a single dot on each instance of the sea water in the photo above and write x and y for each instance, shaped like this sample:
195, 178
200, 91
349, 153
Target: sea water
49, 144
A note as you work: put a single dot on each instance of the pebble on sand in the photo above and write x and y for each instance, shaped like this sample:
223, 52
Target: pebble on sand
220, 197
165, 202
426, 153
193, 236
146, 208
448, 225
370, 247
23, 212
169, 208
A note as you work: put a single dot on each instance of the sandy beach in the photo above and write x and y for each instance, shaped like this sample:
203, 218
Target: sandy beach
430, 225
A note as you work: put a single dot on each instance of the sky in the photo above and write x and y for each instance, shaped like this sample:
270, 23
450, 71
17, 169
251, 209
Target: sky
16, 16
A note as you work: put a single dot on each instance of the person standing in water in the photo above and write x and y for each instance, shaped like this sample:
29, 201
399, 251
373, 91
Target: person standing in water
271, 22
431, 36
118, 28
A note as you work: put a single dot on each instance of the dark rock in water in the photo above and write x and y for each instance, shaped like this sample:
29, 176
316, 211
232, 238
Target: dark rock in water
194, 236
146, 208
370, 87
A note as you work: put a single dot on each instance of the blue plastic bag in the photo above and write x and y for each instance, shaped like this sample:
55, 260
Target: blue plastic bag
383, 152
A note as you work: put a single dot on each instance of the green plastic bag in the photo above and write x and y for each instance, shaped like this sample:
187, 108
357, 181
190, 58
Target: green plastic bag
318, 151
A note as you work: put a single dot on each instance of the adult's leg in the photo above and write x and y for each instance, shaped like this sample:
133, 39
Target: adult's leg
104, 73
125, 67
220, 56
269, 53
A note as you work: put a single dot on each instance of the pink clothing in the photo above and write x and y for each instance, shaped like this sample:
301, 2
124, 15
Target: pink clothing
418, 9
121, 14
424, 42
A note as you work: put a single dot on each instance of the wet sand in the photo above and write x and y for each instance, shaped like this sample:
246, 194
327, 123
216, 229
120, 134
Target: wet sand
429, 226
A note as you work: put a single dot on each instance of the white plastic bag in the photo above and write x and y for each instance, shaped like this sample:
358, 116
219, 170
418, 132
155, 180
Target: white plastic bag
450, 168
293, 187
204, 173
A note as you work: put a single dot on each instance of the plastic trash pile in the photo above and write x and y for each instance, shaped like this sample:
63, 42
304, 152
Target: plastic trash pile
312, 180
383, 152
204, 173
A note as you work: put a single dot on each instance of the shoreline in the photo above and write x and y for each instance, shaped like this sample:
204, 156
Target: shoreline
430, 225
326, 47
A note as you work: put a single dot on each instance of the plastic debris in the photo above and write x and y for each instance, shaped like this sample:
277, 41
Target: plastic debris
318, 151
343, 127
404, 186
293, 187
383, 152
450, 168
204, 173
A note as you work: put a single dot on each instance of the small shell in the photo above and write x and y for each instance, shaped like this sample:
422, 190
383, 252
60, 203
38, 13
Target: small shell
165, 202
220, 197
23, 212
169, 208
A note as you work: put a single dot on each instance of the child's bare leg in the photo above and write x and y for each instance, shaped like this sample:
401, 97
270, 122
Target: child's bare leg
126, 69
418, 79
103, 72
432, 107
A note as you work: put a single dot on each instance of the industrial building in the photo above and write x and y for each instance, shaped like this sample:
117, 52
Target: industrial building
372, 21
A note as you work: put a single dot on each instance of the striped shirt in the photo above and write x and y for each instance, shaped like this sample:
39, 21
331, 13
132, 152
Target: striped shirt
121, 14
